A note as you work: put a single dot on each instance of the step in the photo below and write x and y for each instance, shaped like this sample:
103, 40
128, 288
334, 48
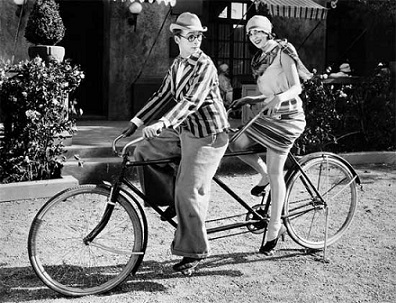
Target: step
94, 170
88, 151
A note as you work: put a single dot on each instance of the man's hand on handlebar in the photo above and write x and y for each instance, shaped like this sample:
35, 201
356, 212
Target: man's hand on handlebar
153, 130
130, 130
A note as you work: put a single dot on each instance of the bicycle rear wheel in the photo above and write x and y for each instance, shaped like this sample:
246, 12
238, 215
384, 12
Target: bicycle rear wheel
59, 255
304, 210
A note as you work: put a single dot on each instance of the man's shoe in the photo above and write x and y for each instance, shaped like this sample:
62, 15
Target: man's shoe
169, 213
187, 265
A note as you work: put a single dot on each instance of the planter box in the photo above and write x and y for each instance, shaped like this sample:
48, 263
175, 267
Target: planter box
35, 189
385, 157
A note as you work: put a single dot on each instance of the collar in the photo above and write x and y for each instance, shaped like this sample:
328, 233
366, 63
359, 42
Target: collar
192, 59
269, 46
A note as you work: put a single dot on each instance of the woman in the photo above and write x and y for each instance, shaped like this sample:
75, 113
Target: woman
194, 129
282, 120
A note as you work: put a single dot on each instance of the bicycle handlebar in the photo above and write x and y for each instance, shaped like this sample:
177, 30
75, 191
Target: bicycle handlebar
133, 142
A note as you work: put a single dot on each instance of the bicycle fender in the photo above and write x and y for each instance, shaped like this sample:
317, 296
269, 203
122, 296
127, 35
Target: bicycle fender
305, 158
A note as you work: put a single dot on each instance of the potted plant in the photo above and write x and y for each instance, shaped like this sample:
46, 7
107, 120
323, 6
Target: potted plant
32, 96
45, 29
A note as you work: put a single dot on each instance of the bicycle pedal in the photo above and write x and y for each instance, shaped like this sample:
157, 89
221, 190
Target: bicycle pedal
188, 272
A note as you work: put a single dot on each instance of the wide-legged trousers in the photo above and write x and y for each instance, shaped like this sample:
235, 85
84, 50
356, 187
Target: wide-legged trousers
200, 158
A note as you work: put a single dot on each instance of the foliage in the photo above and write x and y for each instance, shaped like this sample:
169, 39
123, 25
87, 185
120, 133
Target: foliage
383, 11
319, 105
35, 100
350, 117
45, 25
371, 108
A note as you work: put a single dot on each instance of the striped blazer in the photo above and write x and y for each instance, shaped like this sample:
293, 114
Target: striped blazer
191, 89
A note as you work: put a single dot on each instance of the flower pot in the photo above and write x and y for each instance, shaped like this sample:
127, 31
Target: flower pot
47, 52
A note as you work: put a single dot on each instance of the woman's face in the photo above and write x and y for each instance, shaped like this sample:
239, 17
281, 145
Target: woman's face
258, 37
189, 42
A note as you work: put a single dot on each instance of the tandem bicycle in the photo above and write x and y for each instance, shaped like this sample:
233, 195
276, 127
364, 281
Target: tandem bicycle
102, 235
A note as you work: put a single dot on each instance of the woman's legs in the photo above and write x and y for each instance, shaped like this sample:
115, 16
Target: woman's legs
272, 171
253, 160
276, 163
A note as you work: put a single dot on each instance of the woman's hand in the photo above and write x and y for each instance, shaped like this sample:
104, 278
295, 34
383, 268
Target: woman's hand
272, 106
153, 130
238, 103
246, 100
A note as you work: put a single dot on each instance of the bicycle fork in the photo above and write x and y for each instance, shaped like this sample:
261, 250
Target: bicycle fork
106, 215
115, 190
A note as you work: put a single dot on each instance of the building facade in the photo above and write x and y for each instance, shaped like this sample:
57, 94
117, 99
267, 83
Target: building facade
125, 56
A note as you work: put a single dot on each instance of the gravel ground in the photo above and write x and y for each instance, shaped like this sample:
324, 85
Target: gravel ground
361, 267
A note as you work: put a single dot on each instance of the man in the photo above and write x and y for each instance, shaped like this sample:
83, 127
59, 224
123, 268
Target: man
225, 84
194, 129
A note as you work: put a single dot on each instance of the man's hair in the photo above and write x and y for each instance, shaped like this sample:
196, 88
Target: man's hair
177, 32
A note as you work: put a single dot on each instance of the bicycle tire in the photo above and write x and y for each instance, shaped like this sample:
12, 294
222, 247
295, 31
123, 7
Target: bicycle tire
304, 213
58, 254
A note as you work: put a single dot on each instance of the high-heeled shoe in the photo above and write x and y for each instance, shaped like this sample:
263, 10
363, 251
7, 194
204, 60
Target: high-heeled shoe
269, 247
259, 190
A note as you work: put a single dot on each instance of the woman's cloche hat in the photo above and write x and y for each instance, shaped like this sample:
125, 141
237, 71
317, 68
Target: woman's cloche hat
188, 21
260, 23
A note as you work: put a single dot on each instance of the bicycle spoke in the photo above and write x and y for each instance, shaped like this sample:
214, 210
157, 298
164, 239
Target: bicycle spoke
113, 250
59, 255
336, 187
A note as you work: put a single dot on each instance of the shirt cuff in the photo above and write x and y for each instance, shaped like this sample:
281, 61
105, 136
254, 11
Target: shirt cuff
137, 121
166, 122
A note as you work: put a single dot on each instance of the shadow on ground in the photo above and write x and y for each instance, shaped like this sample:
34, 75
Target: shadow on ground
20, 284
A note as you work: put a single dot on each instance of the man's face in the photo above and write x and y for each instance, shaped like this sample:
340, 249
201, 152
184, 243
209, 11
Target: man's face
189, 42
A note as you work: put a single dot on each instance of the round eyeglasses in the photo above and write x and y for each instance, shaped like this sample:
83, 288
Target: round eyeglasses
191, 38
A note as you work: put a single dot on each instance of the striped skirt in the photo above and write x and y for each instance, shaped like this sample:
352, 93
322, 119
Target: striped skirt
278, 132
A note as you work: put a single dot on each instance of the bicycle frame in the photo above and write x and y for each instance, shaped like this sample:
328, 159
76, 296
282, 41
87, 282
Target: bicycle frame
257, 218
122, 180
126, 164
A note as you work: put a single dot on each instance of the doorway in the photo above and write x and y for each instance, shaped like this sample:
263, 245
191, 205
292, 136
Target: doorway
84, 44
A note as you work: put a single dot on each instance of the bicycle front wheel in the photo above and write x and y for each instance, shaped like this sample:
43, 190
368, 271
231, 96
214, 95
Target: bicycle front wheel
327, 183
71, 267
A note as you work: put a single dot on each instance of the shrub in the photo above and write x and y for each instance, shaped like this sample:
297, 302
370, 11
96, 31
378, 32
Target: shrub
350, 117
319, 102
45, 25
35, 101
370, 108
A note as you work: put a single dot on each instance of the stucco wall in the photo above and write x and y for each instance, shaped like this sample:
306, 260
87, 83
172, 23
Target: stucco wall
307, 36
129, 50
9, 50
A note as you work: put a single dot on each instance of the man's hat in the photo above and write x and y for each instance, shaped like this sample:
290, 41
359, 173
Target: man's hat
189, 22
